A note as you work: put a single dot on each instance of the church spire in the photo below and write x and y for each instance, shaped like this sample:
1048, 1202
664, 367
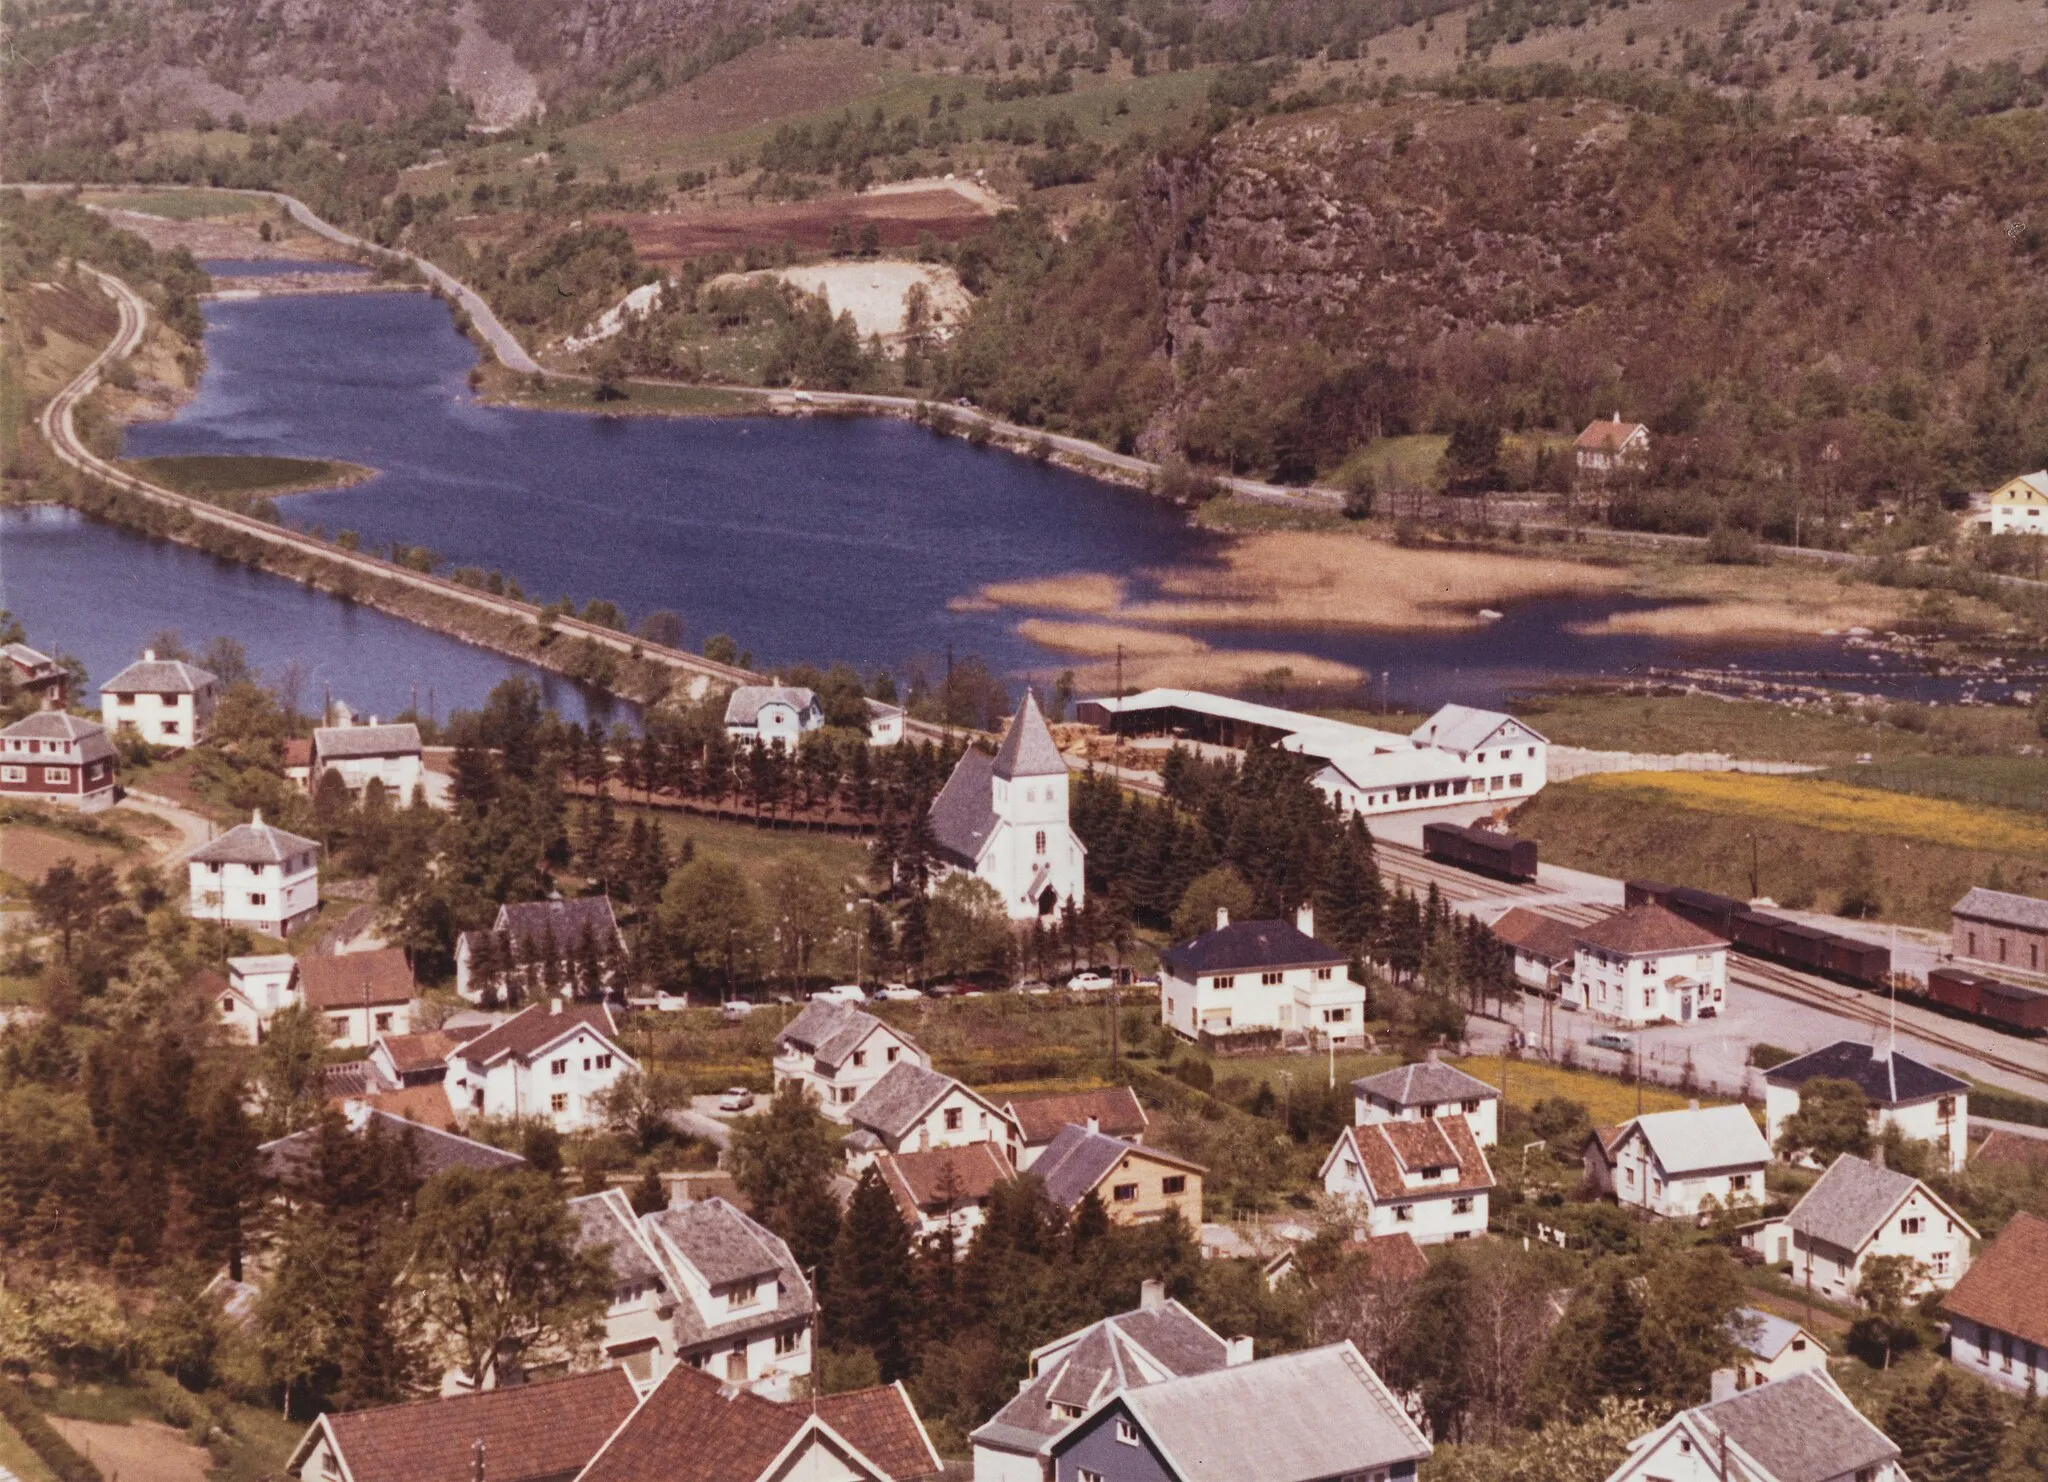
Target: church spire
1028, 749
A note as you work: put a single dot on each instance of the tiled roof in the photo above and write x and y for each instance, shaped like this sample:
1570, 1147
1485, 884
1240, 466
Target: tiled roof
1886, 1080
743, 708
1801, 1429
297, 751
1424, 1083
895, 1103
1388, 1150
1851, 1202
1535, 934
531, 1030
1300, 1417
89, 736
286, 1158
1077, 1161
883, 1426
1114, 1108
2006, 1146
606, 1222
528, 1431
426, 1105
1647, 928
1696, 1140
2003, 908
528, 923
1249, 946
963, 815
356, 979
1028, 749
721, 1243
1606, 436
926, 1181
334, 742
2007, 1286
252, 843
829, 1031
1462, 728
160, 676
411, 1053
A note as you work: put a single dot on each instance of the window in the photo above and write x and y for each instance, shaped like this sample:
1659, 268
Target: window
1126, 1432
383, 1023
1514, 779
170, 728
742, 1296
558, 1067
1124, 1193
1462, 1205
736, 1365
1945, 1108
227, 1005
1226, 981
57, 776
860, 1058
1940, 1263
1065, 1411
1174, 1184
952, 1119
1088, 1476
558, 1103
604, 1062
1323, 974
1430, 1175
889, 1055
337, 1027
1336, 1016
1910, 1226
1738, 1183
258, 898
1404, 1214
13, 774
845, 1094
1271, 980
788, 1341
1471, 1108
1041, 841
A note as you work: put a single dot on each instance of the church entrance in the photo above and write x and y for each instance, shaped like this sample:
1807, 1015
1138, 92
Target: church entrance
1048, 901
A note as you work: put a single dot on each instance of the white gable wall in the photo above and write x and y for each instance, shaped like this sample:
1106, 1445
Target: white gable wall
837, 1089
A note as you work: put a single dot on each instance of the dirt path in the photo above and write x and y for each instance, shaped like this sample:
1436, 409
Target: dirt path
144, 1451
193, 829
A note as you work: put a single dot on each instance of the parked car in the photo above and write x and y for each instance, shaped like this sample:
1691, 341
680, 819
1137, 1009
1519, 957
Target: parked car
945, 990
840, 993
736, 1099
1611, 1042
1088, 982
1034, 986
737, 1008
899, 993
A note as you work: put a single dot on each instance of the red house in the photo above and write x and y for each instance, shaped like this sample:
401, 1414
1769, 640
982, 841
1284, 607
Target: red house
38, 673
57, 758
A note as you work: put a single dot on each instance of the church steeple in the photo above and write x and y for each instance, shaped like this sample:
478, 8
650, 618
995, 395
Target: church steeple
1028, 749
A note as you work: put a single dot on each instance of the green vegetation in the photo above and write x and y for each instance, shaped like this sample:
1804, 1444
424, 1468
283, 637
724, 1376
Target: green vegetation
1998, 781
240, 481
185, 205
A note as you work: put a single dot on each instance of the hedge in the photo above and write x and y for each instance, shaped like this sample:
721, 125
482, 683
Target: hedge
57, 1453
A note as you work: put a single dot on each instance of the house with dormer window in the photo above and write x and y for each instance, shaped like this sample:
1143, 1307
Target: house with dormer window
1426, 1179
913, 1110
838, 1052
1425, 1090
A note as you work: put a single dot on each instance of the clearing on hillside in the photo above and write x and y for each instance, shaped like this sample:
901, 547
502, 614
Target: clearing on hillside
901, 218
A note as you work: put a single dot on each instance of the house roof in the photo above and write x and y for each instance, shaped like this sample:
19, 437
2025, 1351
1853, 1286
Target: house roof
356, 979
1248, 946
2006, 1146
1766, 1334
412, 1053
33, 660
1463, 728
1386, 1151
532, 1030
253, 843
2003, 908
1703, 1138
2035, 485
691, 1428
1798, 1429
830, 1031
161, 676
297, 751
262, 964
744, 706
924, 1181
1424, 1083
1302, 1416
1115, 1110
332, 743
900, 1099
1535, 934
2004, 1287
1608, 436
426, 1105
605, 1221
1886, 1079
1852, 1200
725, 1246
1644, 929
89, 736
528, 923
533, 1431
1028, 749
1077, 1161
963, 815
286, 1158
1125, 1350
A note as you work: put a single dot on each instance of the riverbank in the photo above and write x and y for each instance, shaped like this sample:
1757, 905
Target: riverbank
237, 479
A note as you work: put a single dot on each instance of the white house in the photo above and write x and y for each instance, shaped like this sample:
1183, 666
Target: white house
507, 962
1261, 975
548, 1063
772, 714
370, 753
1428, 1088
1999, 1310
1670, 1163
167, 702
1769, 1348
257, 989
912, 1110
837, 1052
945, 1187
1800, 1429
359, 995
1546, 949
54, 757
1425, 1179
1859, 1211
885, 723
1612, 447
1004, 818
743, 1310
1647, 965
1925, 1104
256, 876
2019, 507
1508, 758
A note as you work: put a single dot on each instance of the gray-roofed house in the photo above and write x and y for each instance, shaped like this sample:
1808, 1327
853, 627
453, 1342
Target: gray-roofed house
1301, 1417
912, 1109
167, 702
1671, 1163
359, 755
286, 1160
1926, 1104
639, 1331
1135, 1184
1488, 738
1801, 1429
1768, 1347
54, 757
1428, 1088
836, 1052
1068, 1377
258, 876
1004, 820
772, 714
1259, 977
2000, 927
509, 955
39, 674
1859, 1211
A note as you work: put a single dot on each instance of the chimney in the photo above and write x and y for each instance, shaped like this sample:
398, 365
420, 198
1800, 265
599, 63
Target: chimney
1693, 1104
1305, 921
554, 1006
1433, 1055
256, 817
1723, 1382
1617, 416
149, 656
1240, 1351
1222, 917
1094, 1124
1151, 1295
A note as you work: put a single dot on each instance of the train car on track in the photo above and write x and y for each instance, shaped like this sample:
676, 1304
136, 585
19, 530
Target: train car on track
1762, 934
1482, 850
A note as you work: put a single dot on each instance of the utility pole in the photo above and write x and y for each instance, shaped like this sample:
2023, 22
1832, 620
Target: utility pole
1755, 888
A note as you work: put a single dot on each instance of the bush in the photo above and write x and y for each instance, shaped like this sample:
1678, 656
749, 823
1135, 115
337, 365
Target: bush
1769, 1057
42, 1438
1731, 545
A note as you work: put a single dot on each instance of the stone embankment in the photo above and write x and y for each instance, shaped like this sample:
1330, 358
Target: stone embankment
1567, 762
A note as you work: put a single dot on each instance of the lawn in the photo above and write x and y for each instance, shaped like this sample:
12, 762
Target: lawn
16, 1457
184, 205
642, 398
223, 476
1995, 781
756, 851
1608, 1100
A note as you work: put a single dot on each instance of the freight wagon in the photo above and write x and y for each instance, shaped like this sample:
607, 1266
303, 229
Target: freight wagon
1991, 1000
1483, 850
1761, 934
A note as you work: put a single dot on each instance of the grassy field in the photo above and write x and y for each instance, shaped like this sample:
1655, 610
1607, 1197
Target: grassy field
226, 476
1994, 781
757, 850
185, 205
502, 388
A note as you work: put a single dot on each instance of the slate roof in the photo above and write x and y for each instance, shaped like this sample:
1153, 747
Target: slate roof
606, 1222
1115, 1109
286, 1158
1886, 1080
355, 979
331, 743
829, 1031
527, 923
2007, 1285
160, 676
691, 1428
37, 663
1077, 1160
894, 1104
1028, 749
254, 843
1424, 1083
1296, 1418
1386, 1151
1463, 727
89, 736
743, 708
1535, 934
1647, 928
531, 1030
1697, 1140
1853, 1199
528, 1431
963, 815
918, 1181
2003, 908
1800, 1429
1249, 946
725, 1246
1120, 1352
1767, 1334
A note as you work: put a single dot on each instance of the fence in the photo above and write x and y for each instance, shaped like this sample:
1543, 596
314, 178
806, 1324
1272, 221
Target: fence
1567, 762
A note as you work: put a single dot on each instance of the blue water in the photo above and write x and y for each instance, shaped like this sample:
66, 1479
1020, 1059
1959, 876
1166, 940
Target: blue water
274, 267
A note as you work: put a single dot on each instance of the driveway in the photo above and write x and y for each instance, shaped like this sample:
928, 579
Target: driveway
194, 829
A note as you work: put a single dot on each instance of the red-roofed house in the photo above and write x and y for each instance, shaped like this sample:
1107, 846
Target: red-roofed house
2001, 1309
1608, 449
550, 1062
1427, 1179
1647, 965
360, 995
944, 1186
1111, 1109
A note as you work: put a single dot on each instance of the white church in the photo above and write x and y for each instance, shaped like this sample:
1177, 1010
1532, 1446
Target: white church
1004, 818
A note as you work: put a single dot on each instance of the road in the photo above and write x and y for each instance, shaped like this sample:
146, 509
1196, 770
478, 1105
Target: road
194, 829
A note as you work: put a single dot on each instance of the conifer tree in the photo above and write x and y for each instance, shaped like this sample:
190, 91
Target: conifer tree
870, 1278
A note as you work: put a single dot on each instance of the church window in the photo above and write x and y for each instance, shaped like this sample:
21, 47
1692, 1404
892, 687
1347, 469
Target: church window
1041, 841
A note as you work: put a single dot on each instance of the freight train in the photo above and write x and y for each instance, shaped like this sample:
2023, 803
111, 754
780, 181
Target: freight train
1481, 849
